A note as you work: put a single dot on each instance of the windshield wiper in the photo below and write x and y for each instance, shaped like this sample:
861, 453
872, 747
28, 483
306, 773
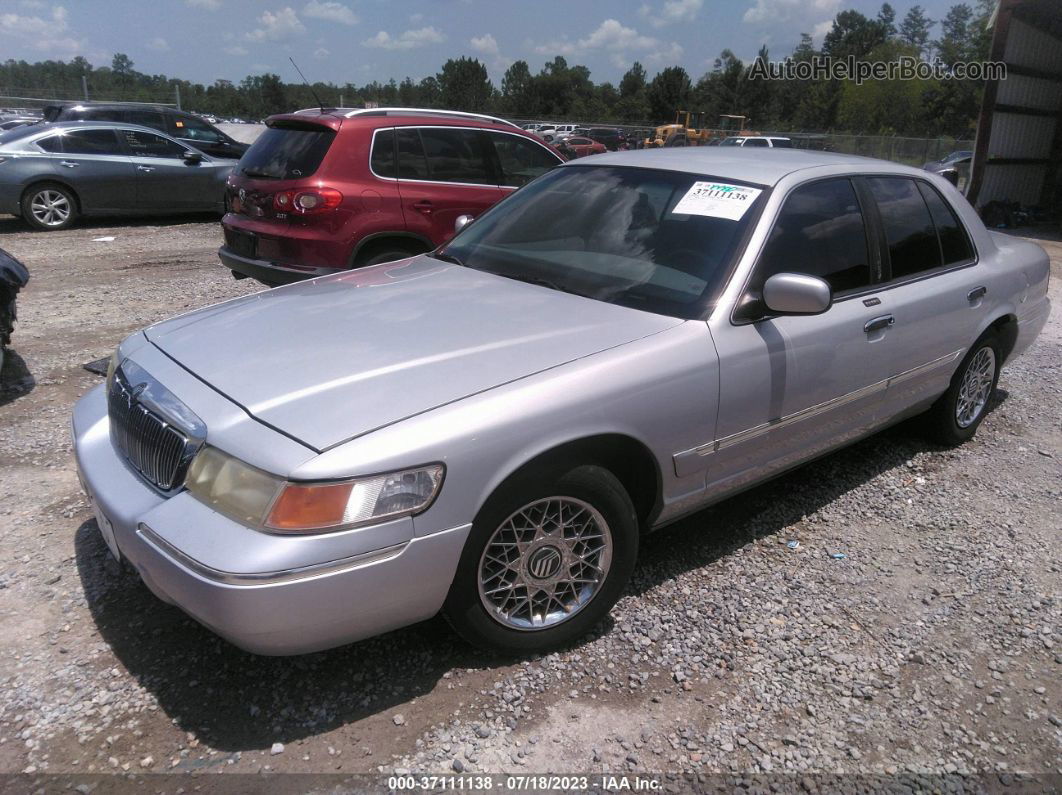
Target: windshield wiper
540, 281
442, 255
250, 172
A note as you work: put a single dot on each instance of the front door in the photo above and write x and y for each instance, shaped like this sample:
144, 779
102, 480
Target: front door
164, 179
794, 387
443, 173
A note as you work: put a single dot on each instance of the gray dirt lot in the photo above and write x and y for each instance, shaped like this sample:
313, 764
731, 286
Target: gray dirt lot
932, 646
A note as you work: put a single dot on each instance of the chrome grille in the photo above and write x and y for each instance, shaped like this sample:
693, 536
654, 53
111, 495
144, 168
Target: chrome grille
154, 447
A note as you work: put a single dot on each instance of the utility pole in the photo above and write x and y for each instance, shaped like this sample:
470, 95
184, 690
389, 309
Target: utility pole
177, 89
341, 101
84, 86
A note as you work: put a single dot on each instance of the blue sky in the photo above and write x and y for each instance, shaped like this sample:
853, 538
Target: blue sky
364, 40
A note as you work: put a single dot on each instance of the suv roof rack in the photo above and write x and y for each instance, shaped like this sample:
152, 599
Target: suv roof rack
457, 114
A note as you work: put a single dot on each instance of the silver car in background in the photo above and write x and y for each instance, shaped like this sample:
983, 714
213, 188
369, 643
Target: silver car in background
50, 174
488, 430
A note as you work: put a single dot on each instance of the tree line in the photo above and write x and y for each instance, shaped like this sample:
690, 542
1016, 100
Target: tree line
921, 107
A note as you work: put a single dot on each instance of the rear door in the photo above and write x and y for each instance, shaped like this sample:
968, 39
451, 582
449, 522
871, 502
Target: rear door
934, 295
164, 180
95, 164
519, 159
443, 173
196, 133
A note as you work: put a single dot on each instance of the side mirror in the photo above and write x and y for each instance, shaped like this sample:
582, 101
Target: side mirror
797, 294
462, 221
192, 158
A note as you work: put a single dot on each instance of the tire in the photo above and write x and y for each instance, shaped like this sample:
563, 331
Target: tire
676, 140
377, 256
956, 415
588, 498
49, 200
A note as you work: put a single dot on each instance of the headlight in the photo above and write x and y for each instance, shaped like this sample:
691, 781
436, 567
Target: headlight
262, 500
112, 365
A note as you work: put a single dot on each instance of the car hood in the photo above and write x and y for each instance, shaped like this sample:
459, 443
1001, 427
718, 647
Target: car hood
327, 360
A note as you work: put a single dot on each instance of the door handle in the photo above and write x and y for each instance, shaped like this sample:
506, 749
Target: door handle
68, 164
145, 168
424, 206
879, 323
976, 293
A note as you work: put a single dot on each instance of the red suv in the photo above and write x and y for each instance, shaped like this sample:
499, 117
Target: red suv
324, 191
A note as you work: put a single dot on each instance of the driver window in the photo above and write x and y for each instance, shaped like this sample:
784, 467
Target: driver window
820, 231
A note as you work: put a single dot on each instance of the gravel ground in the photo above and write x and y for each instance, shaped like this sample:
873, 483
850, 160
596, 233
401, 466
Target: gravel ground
912, 629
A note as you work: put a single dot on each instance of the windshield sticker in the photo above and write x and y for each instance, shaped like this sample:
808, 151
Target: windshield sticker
717, 200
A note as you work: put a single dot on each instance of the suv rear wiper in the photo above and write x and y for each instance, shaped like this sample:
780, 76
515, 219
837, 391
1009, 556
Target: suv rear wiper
250, 172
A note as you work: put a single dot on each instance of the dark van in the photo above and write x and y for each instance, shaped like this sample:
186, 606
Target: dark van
185, 127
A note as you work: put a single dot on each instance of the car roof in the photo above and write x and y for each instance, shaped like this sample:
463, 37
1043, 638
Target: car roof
392, 117
763, 166
78, 124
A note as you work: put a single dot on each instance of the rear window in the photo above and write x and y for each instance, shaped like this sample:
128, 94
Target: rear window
286, 152
782, 143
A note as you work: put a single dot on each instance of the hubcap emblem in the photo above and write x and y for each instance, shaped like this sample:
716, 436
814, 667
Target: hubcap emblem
544, 563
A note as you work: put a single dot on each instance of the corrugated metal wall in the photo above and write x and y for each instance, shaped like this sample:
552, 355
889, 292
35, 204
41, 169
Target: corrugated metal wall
1016, 135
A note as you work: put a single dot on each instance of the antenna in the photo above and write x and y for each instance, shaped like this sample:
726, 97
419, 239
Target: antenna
307, 82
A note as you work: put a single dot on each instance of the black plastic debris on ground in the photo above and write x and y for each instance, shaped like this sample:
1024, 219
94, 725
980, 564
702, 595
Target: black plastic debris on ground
97, 366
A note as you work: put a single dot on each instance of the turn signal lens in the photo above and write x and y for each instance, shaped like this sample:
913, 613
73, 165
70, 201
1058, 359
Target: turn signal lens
308, 507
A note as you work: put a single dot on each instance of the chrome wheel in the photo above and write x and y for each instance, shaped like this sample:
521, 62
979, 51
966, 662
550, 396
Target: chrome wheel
976, 387
50, 208
544, 563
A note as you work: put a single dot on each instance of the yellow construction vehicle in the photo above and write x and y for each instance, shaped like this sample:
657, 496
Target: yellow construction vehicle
689, 130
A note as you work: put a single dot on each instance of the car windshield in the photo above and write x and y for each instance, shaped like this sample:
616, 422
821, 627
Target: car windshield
288, 152
660, 241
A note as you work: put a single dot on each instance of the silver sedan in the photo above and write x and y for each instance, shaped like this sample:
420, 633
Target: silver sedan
488, 430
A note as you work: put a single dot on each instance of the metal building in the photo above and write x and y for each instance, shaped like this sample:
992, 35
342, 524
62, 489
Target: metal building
1019, 132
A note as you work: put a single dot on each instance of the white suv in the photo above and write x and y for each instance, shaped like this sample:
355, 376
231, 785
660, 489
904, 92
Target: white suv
772, 141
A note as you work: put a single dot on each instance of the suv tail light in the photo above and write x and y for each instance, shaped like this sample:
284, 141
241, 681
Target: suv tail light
307, 202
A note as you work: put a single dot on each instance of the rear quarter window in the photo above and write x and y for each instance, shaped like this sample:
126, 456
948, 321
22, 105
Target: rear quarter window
287, 152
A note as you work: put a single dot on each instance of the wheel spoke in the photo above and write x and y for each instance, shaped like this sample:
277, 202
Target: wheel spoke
544, 563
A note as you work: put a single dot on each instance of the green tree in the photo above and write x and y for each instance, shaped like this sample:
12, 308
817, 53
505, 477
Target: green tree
883, 107
852, 34
518, 90
464, 85
669, 91
887, 20
915, 29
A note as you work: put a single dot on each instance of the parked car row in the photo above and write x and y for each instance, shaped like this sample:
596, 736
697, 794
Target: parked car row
490, 429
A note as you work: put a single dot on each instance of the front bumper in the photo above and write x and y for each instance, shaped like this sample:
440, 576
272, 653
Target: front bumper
279, 601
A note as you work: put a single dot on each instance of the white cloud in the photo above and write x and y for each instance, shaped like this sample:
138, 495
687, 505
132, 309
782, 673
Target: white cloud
776, 11
321, 52
276, 25
330, 11
410, 39
672, 12
617, 40
209, 5
484, 45
819, 31
668, 54
236, 49
50, 34
158, 43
